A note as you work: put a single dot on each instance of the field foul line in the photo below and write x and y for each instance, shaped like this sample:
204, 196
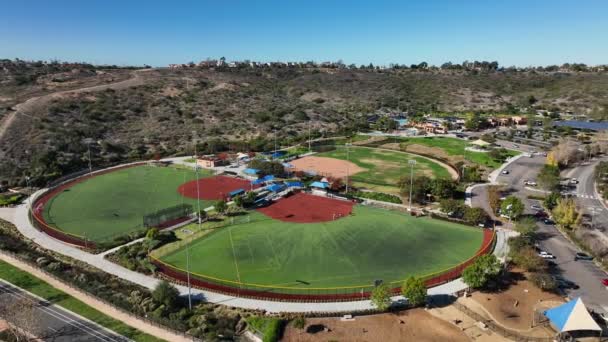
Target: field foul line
234, 255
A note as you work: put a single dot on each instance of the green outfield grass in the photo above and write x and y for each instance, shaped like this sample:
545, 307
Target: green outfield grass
113, 204
385, 168
356, 250
455, 147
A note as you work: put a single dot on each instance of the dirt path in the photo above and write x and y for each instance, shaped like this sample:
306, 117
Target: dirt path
95, 303
409, 325
35, 103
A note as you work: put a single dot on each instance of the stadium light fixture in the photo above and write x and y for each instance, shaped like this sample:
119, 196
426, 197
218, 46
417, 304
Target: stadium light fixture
411, 163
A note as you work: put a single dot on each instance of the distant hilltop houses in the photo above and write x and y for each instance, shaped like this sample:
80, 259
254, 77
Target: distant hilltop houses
475, 66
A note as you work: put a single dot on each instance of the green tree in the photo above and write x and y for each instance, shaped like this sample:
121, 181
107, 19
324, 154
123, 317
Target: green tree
166, 294
551, 200
151, 233
220, 206
474, 215
414, 290
238, 201
526, 227
512, 207
565, 213
548, 177
381, 297
452, 207
474, 122
443, 188
421, 185
484, 269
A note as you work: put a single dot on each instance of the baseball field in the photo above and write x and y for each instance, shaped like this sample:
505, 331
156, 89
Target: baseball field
104, 207
355, 250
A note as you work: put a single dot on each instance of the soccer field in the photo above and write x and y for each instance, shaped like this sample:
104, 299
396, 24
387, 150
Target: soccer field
113, 204
369, 245
385, 168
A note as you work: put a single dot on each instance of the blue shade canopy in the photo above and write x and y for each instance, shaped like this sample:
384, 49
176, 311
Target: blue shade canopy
322, 185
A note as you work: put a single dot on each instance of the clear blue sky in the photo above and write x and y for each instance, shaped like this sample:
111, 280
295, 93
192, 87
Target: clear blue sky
513, 32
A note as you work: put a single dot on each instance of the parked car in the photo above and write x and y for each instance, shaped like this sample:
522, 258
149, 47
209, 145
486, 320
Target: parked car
546, 255
566, 284
548, 221
530, 183
573, 181
540, 214
536, 207
505, 172
515, 145
582, 256
605, 282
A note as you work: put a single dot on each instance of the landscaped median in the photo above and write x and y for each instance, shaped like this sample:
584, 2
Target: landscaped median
42, 289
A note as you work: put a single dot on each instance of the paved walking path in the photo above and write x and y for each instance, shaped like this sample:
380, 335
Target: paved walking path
20, 218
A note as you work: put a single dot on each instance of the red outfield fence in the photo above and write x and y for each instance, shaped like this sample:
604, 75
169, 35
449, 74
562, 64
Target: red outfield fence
313, 294
38, 204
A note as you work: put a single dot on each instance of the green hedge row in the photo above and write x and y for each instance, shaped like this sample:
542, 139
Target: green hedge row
378, 196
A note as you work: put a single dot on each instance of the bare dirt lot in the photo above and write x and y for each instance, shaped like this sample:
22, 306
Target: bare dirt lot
326, 166
514, 307
409, 325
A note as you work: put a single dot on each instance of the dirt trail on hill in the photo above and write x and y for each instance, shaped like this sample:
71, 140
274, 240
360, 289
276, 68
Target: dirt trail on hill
35, 103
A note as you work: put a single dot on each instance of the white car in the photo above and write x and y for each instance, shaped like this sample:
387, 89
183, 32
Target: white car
505, 172
546, 255
530, 183
573, 181
536, 207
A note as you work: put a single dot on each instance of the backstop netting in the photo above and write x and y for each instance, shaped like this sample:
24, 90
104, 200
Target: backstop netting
161, 217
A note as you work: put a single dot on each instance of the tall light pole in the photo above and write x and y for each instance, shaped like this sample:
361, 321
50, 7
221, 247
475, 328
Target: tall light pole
411, 163
347, 163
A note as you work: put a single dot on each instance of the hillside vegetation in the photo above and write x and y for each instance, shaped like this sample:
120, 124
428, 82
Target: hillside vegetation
240, 109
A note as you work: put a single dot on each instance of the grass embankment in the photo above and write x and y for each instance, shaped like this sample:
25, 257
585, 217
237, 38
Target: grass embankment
40, 288
113, 204
371, 244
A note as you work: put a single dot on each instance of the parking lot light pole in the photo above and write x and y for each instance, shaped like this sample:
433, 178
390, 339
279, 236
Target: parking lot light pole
411, 162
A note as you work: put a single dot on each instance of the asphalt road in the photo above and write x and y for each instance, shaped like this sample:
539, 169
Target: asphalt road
585, 195
584, 273
53, 323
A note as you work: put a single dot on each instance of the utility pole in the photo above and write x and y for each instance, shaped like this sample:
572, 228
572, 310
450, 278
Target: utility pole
411, 162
